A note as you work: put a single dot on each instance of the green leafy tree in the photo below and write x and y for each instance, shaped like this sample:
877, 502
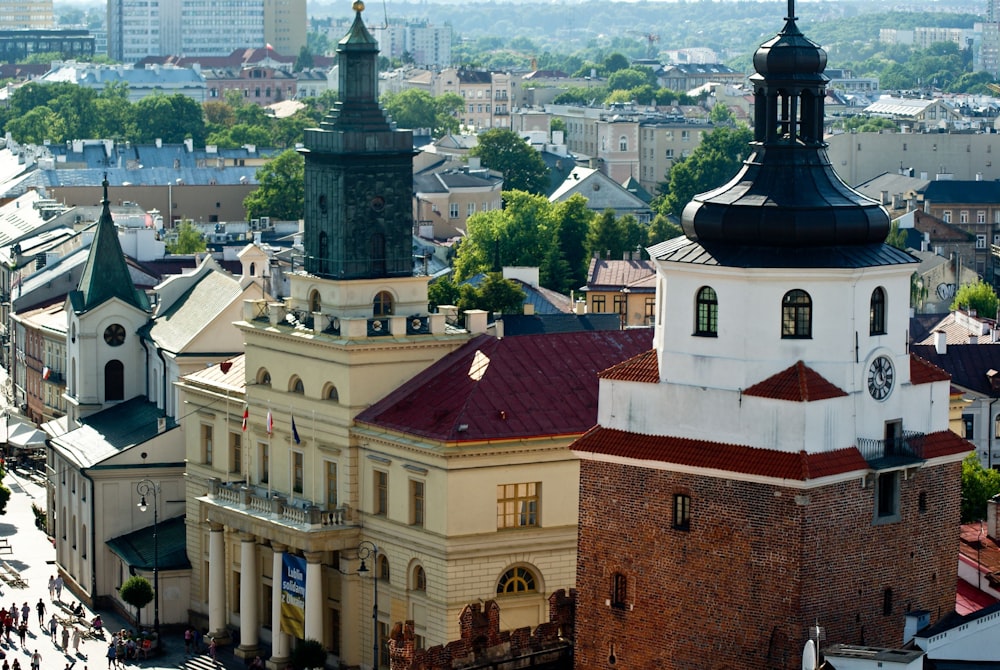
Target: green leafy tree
979, 297
721, 115
442, 291
497, 294
36, 126
137, 592
189, 240
979, 484
172, 118
606, 237
662, 229
714, 162
308, 654
615, 62
896, 237
411, 108
280, 191
630, 78
522, 167
304, 60
446, 120
572, 222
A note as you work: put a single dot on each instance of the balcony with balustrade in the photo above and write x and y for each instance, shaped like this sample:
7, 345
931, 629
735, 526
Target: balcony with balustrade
899, 452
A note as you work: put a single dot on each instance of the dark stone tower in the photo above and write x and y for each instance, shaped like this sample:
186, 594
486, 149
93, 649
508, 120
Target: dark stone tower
358, 176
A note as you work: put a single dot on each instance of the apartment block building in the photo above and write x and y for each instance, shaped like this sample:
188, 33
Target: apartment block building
487, 95
421, 44
26, 15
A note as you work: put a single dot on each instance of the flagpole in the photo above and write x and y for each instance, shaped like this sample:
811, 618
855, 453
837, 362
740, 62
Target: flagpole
314, 449
270, 454
291, 458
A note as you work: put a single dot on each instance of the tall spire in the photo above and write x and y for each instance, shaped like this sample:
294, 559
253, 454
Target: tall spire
106, 273
787, 193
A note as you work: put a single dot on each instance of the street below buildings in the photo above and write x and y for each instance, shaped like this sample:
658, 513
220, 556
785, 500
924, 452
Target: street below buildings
24, 579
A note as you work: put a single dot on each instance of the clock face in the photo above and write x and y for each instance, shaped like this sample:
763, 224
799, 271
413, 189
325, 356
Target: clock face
880, 377
114, 334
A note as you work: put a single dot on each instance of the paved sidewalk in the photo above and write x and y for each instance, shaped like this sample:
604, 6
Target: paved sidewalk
33, 558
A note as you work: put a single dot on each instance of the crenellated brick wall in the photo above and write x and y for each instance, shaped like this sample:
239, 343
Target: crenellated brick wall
482, 640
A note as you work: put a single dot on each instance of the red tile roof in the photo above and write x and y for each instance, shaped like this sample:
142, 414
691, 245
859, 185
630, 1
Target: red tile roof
925, 372
720, 456
969, 599
799, 383
516, 387
941, 443
641, 368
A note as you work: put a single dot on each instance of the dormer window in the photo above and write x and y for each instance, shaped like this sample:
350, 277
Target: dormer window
796, 315
876, 314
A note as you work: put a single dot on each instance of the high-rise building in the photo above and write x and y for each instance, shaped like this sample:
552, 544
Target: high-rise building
26, 15
140, 28
421, 44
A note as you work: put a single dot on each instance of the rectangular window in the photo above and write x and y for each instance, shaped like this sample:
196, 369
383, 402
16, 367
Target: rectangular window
331, 485
471, 209
685, 135
453, 210
981, 216
381, 500
263, 463
887, 496
946, 215
682, 512
416, 503
980, 241
969, 420
619, 591
597, 304
963, 216
297, 471
619, 303
236, 452
206, 444
517, 505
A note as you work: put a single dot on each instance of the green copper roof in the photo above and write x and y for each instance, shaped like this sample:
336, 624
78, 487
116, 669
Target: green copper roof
106, 274
358, 34
136, 548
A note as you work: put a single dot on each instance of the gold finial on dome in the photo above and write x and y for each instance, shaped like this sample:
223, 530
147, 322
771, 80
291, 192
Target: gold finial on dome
358, 6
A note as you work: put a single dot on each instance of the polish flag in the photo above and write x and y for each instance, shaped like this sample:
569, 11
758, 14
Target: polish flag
270, 423
246, 416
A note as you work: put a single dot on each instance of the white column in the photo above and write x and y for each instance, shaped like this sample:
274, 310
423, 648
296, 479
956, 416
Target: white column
352, 619
279, 640
314, 596
249, 579
217, 583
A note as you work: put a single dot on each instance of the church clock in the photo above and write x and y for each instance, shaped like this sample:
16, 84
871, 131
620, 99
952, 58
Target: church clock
880, 378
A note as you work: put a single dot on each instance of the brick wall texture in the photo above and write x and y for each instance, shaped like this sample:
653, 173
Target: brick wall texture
760, 565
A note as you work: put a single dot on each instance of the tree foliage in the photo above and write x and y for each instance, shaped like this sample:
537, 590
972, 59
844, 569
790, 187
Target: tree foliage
522, 167
714, 162
896, 237
279, 194
979, 484
189, 240
137, 592
308, 654
414, 108
979, 297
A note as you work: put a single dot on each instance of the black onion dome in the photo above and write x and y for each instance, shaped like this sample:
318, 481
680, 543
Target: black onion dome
789, 53
787, 193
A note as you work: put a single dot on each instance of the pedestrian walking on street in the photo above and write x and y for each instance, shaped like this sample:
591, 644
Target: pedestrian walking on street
6, 664
111, 654
188, 639
25, 611
213, 650
22, 631
41, 612
53, 628
52, 587
65, 637
36, 660
59, 585
76, 639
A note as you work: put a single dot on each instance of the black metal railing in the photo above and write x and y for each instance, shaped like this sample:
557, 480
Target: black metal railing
892, 452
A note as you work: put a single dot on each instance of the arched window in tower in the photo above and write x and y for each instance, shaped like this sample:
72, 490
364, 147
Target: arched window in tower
419, 582
114, 381
707, 313
315, 303
516, 580
378, 259
263, 377
876, 314
796, 315
382, 305
622, 143
331, 393
253, 269
383, 567
296, 386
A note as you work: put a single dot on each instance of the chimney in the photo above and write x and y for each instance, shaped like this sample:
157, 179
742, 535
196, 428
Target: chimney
991, 517
940, 342
529, 309
580, 307
475, 321
498, 326
913, 623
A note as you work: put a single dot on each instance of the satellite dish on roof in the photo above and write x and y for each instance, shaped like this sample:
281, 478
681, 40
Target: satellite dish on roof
809, 656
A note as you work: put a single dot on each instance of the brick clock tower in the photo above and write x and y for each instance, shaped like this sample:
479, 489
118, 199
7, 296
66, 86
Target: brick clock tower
778, 460
359, 176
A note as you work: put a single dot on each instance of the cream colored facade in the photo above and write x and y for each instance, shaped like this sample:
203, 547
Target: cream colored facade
27, 15
420, 501
285, 25
487, 96
661, 145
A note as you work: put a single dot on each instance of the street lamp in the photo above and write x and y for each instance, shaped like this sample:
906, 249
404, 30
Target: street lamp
623, 307
144, 488
365, 550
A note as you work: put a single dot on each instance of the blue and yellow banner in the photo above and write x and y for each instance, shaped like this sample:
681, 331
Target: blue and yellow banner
293, 595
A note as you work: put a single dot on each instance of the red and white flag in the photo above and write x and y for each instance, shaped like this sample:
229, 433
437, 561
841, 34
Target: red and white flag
246, 416
46, 372
270, 423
